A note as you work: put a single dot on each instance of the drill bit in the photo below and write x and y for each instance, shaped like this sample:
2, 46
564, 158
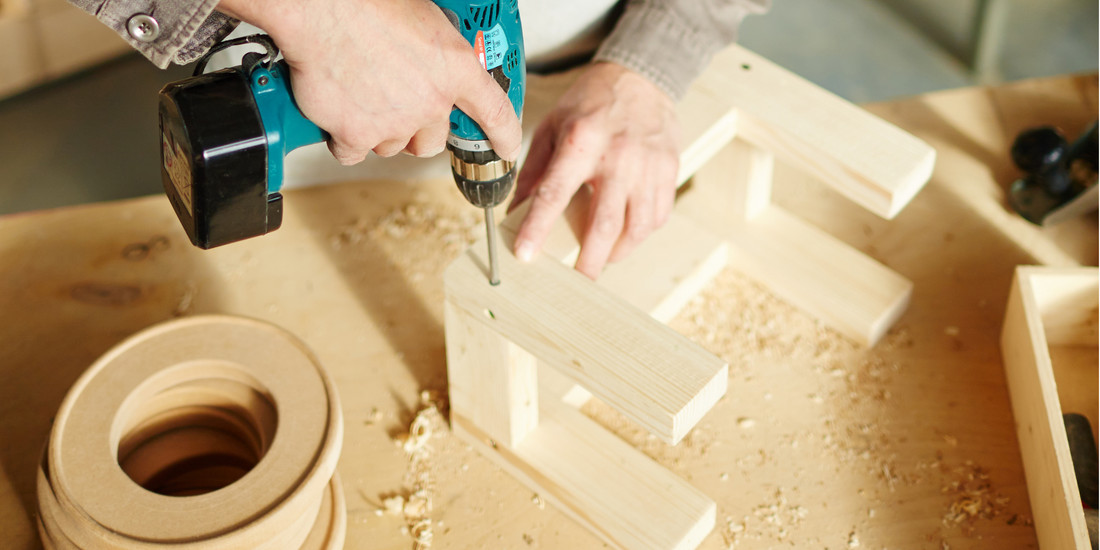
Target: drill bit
491, 236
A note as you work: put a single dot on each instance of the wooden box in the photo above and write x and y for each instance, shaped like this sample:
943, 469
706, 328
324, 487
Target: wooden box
1049, 346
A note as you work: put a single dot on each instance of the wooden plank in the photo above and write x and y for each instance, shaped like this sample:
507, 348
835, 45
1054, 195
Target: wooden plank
1051, 485
708, 122
653, 375
667, 270
492, 381
736, 182
811, 269
1067, 301
599, 481
661, 276
870, 161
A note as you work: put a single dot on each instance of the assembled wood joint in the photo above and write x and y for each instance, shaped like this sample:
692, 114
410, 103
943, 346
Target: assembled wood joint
522, 356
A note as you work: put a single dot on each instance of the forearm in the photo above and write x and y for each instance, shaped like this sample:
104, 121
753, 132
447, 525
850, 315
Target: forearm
670, 42
178, 31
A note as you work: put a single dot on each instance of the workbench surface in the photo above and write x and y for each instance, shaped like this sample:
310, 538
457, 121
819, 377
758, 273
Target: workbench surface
818, 443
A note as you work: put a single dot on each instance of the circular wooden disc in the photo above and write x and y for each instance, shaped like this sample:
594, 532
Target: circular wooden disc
91, 487
332, 522
327, 531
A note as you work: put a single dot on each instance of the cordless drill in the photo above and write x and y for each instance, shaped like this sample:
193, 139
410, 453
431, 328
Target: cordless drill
225, 134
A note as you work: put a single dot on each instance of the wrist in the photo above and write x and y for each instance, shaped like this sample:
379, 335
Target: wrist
237, 9
272, 16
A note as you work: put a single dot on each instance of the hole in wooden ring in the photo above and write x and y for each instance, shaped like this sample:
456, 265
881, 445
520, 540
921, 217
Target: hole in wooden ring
196, 436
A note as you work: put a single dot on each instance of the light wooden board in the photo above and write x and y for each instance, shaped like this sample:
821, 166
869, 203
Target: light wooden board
809, 268
502, 401
372, 311
629, 500
867, 159
1035, 388
654, 376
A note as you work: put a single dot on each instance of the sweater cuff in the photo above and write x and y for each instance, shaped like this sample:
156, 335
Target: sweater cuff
661, 41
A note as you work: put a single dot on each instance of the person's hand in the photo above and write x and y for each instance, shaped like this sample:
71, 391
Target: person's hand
618, 132
382, 75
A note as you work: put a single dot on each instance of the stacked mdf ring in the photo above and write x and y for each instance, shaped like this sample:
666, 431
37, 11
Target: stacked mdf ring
206, 433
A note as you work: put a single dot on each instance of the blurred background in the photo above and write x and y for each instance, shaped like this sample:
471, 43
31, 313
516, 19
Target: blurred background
78, 108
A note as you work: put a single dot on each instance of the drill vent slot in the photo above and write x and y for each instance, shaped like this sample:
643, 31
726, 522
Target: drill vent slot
511, 60
485, 16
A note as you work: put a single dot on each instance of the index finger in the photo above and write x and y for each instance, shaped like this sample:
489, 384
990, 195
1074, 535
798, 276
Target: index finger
485, 102
573, 162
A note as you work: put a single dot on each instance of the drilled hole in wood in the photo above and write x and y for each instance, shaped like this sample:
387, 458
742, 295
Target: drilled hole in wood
196, 437
489, 314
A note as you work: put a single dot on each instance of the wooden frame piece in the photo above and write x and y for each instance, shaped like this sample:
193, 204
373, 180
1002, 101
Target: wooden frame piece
523, 355
825, 277
1049, 347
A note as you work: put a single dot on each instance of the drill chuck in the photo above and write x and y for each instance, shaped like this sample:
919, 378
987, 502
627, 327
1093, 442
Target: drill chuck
484, 178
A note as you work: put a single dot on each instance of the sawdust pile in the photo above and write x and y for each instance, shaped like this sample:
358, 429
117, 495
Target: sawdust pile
973, 498
421, 238
759, 325
775, 520
416, 502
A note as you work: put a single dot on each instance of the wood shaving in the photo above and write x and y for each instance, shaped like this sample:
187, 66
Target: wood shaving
422, 533
973, 498
188, 297
428, 423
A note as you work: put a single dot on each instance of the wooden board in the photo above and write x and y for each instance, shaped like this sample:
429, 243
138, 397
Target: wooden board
1052, 307
867, 159
654, 376
372, 311
821, 275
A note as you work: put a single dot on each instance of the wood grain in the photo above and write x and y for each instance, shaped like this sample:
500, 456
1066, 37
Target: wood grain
870, 161
1052, 486
492, 381
658, 378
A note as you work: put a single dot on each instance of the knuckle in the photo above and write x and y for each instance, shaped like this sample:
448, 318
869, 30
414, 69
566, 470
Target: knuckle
499, 111
661, 220
552, 194
637, 231
583, 130
605, 224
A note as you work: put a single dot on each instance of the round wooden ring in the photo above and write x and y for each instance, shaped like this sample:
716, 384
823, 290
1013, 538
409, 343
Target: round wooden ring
327, 532
332, 522
91, 487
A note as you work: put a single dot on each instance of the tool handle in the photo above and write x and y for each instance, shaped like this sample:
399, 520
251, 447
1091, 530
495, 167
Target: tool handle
494, 30
286, 127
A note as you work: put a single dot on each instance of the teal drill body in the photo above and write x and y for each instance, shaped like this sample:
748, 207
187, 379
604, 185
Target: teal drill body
493, 28
225, 134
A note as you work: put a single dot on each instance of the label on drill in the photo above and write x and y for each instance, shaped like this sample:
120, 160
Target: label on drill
491, 45
175, 163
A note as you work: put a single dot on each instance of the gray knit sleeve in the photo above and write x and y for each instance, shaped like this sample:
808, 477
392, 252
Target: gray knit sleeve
185, 29
670, 42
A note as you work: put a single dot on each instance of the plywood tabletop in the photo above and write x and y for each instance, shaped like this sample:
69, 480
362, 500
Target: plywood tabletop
819, 443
